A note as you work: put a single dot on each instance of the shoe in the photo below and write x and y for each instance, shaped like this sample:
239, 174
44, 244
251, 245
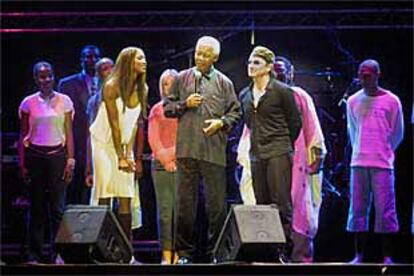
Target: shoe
184, 261
283, 259
167, 256
59, 260
214, 261
356, 260
388, 260
133, 261
164, 262
32, 262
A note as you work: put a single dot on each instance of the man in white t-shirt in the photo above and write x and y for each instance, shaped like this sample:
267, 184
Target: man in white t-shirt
376, 128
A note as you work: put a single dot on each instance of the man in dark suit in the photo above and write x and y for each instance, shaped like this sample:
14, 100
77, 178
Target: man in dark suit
79, 87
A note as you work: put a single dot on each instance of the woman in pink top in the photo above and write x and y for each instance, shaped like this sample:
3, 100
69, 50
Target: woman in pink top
45, 156
162, 133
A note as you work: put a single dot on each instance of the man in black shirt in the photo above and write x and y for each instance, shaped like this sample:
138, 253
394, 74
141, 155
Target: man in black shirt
270, 112
204, 101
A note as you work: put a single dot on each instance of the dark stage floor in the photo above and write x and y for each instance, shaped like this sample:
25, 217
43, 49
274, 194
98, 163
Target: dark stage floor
148, 252
220, 269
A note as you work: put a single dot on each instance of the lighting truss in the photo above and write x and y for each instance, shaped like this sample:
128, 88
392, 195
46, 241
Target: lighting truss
207, 20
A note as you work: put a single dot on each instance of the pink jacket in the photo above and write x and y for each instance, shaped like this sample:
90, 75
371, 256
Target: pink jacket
162, 135
306, 188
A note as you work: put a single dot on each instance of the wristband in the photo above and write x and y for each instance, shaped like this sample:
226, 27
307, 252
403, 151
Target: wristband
71, 162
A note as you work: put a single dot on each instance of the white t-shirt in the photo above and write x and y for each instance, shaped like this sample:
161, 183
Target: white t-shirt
46, 118
376, 128
257, 94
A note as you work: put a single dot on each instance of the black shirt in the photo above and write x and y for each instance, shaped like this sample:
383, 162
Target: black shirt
275, 123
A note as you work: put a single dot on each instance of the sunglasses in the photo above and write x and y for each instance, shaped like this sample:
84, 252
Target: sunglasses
255, 62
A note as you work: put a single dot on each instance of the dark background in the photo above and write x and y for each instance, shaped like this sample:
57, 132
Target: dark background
311, 51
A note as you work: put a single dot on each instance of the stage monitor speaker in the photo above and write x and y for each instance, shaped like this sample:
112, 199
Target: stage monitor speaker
250, 233
92, 234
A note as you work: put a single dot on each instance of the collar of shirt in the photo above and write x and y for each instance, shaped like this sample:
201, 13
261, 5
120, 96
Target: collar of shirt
46, 99
269, 84
91, 82
207, 75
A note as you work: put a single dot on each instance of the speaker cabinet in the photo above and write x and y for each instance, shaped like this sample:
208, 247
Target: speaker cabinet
250, 233
92, 234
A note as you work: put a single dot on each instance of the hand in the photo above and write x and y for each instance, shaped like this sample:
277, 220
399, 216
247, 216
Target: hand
68, 173
89, 180
194, 100
242, 159
170, 167
24, 174
315, 167
213, 125
126, 165
139, 171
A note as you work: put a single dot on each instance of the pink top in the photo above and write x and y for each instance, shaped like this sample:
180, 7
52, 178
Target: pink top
46, 118
376, 128
162, 135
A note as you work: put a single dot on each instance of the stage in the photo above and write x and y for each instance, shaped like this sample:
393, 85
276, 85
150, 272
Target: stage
148, 253
218, 269
326, 42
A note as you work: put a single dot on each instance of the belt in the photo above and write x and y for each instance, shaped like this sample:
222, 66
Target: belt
47, 150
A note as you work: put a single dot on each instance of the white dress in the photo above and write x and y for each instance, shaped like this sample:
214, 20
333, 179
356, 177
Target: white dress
109, 181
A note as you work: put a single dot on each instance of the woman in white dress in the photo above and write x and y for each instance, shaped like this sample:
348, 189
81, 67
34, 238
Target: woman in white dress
113, 133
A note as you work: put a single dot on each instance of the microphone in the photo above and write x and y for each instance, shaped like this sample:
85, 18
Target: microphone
354, 83
197, 75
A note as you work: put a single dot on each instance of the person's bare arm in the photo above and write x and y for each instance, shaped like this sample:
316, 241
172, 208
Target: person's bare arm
131, 142
139, 146
89, 166
24, 129
70, 163
110, 94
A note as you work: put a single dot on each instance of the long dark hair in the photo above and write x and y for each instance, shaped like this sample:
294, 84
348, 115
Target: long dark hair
124, 75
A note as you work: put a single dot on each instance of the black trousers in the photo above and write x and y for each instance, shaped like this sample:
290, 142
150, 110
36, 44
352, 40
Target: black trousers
272, 185
47, 193
78, 192
190, 173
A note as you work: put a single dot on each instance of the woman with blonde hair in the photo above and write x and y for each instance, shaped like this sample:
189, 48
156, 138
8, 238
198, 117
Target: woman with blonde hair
162, 137
113, 133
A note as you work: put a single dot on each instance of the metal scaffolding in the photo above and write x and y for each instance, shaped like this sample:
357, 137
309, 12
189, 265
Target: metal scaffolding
207, 20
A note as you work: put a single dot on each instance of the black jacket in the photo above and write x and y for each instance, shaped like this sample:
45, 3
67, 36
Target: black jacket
76, 88
275, 123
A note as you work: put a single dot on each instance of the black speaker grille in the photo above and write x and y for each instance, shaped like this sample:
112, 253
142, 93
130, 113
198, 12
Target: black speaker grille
92, 235
250, 233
